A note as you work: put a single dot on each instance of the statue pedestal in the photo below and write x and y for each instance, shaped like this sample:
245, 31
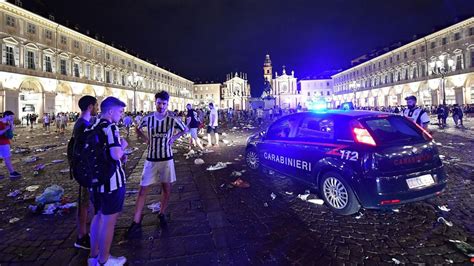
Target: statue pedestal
269, 102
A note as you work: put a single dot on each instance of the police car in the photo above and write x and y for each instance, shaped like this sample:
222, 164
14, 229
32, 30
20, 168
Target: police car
355, 158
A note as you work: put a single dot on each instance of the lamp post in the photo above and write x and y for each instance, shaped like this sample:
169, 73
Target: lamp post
135, 81
439, 68
354, 86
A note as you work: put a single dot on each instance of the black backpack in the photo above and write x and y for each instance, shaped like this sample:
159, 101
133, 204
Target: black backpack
91, 163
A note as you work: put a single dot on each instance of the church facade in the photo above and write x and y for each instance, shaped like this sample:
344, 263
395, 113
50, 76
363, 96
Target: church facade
283, 88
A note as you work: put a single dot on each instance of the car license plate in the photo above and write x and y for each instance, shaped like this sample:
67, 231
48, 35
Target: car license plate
420, 181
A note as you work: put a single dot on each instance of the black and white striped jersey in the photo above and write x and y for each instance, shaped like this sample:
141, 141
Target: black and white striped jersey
159, 133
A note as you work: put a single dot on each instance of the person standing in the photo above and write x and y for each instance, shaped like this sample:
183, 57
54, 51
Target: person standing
260, 115
415, 113
192, 123
108, 198
6, 134
127, 122
230, 117
46, 121
159, 164
89, 107
213, 125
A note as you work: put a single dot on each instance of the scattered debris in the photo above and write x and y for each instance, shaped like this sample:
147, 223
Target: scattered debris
303, 197
222, 185
21, 150
50, 195
174, 151
273, 196
32, 188
288, 193
359, 215
57, 161
396, 261
464, 247
446, 222
449, 261
30, 159
265, 204
240, 183
64, 171
131, 191
14, 193
218, 166
129, 151
236, 173
316, 201
13, 220
155, 207
198, 161
444, 208
396, 210
225, 141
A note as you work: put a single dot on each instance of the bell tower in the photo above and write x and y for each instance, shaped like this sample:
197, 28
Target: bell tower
267, 69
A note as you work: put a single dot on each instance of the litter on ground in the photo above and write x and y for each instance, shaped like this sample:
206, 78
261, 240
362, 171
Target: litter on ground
316, 201
273, 196
217, 166
31, 159
155, 207
359, 215
198, 161
396, 261
240, 183
13, 220
446, 222
464, 247
444, 208
14, 193
51, 194
32, 188
57, 161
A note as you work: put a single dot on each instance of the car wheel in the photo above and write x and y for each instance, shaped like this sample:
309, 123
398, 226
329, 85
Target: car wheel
252, 160
338, 194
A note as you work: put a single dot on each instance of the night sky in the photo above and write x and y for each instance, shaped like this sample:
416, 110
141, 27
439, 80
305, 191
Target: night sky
202, 40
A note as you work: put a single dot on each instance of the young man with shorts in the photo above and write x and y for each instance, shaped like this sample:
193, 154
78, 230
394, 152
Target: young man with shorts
192, 122
159, 164
213, 125
109, 197
6, 133
89, 107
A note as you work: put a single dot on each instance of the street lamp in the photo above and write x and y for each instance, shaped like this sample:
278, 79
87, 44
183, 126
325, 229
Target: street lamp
354, 86
135, 81
439, 68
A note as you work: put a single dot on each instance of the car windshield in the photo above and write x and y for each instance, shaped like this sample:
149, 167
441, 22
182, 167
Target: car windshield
392, 129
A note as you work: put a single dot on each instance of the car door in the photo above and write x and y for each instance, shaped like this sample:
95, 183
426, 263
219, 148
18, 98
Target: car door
314, 140
277, 150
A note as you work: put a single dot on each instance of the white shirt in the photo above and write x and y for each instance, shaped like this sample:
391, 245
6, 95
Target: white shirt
415, 113
216, 117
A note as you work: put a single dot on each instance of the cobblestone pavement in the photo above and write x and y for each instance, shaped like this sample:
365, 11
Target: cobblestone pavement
213, 223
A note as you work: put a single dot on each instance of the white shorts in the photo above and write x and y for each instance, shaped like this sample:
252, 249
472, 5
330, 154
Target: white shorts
162, 172
193, 132
5, 151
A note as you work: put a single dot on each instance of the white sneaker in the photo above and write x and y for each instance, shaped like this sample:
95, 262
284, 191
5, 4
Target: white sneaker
114, 261
92, 262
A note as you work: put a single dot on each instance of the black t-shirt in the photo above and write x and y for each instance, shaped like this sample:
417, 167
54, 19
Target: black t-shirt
79, 127
194, 121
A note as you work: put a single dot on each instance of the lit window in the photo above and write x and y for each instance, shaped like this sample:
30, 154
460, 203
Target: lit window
48, 65
76, 70
63, 67
63, 40
10, 58
48, 34
76, 44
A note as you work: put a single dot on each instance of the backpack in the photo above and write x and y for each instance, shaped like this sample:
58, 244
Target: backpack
91, 164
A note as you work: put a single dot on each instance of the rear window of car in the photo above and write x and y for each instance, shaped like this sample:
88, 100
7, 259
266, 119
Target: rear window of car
394, 129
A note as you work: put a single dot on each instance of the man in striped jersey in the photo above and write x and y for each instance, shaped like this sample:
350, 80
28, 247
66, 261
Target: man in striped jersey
159, 164
109, 197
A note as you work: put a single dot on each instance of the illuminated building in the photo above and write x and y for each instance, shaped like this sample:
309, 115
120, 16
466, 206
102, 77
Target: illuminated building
233, 93
315, 90
444, 59
47, 67
283, 87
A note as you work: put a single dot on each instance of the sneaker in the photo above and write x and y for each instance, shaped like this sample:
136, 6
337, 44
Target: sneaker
112, 261
162, 219
15, 174
84, 242
134, 228
92, 261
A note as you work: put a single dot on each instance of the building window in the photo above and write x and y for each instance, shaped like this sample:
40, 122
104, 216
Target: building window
88, 49
471, 31
472, 58
414, 73
63, 40
10, 58
107, 76
63, 67
413, 52
422, 48
48, 65
391, 60
30, 60
11, 21
48, 34
88, 71
459, 63
457, 36
129, 64
406, 74
76, 44
385, 62
423, 70
404, 55
321, 92
398, 57
328, 93
433, 45
76, 70
107, 55
123, 80
444, 41
123, 61
31, 28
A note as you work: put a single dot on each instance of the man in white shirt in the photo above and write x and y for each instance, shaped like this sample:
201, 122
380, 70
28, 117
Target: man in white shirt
415, 113
213, 125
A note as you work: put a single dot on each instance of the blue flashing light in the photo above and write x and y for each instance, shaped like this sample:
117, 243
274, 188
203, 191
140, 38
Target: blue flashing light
317, 106
347, 106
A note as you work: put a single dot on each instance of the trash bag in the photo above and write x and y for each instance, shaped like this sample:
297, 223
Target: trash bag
50, 195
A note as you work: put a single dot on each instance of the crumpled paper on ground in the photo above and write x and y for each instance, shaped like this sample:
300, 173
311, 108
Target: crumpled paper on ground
155, 207
217, 166
198, 161
51, 194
